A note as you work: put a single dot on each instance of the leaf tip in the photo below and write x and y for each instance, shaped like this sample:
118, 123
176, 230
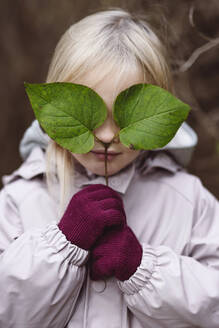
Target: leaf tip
26, 85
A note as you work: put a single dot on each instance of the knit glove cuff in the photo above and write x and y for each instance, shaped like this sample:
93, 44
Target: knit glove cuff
118, 253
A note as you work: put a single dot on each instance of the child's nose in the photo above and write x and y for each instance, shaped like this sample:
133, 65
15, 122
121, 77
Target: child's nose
107, 131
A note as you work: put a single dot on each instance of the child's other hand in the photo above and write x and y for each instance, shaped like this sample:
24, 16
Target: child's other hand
89, 213
118, 253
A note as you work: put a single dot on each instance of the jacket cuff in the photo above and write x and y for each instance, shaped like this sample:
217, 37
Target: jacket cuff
70, 252
143, 273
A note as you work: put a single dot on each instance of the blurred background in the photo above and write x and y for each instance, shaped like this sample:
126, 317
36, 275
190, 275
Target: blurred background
30, 30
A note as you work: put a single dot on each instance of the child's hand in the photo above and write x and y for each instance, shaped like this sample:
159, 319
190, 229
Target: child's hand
89, 213
118, 253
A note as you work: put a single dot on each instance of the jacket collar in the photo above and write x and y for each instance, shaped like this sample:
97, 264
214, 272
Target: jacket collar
145, 163
152, 160
118, 182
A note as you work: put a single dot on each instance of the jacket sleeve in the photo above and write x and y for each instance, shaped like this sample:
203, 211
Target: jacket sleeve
41, 273
180, 291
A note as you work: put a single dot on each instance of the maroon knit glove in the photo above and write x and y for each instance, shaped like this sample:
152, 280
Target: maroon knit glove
118, 253
89, 213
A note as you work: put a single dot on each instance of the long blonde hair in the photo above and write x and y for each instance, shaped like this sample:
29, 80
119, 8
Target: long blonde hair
119, 40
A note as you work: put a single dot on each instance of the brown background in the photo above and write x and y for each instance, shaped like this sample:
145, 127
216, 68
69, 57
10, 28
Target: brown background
30, 30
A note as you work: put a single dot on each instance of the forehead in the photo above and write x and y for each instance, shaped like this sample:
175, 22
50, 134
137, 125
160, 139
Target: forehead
109, 83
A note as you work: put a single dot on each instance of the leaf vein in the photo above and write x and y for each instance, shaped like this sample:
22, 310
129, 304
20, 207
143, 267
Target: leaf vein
60, 109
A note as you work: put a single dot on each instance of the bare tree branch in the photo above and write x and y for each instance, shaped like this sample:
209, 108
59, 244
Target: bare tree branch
196, 54
183, 67
192, 23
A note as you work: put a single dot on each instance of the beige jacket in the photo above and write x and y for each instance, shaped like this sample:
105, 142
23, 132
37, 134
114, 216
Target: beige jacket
44, 280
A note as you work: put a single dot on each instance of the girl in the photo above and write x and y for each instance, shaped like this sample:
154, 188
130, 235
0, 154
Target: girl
143, 252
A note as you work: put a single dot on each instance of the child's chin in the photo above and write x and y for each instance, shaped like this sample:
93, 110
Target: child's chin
101, 172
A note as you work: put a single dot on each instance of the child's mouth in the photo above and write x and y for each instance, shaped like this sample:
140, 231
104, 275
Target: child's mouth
101, 155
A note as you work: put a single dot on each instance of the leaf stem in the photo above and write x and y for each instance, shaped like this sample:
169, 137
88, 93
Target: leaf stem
106, 146
106, 173
115, 136
98, 140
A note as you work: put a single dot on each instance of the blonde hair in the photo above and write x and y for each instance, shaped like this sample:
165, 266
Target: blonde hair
116, 39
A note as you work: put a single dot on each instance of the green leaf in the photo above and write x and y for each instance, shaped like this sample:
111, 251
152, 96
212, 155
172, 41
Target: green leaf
148, 116
68, 113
